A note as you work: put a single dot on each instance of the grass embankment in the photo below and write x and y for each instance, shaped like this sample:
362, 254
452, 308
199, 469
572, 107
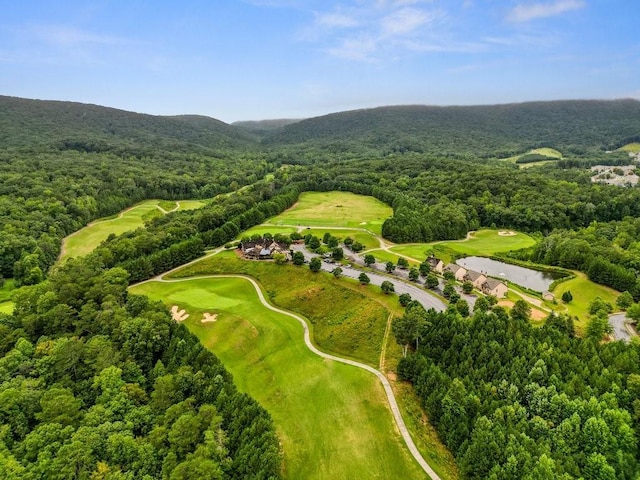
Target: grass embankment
385, 256
262, 229
343, 319
366, 239
483, 243
85, 240
332, 419
339, 209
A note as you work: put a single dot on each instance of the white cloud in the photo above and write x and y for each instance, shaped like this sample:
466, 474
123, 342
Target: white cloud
336, 20
356, 48
406, 20
531, 11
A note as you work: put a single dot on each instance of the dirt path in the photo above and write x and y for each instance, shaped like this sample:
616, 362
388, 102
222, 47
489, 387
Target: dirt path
177, 207
393, 404
385, 339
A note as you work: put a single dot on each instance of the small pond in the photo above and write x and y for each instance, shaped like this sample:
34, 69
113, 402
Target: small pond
525, 277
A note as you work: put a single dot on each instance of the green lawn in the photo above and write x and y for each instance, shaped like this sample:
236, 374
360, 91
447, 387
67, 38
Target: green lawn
366, 239
548, 152
583, 291
336, 209
482, 243
333, 419
346, 318
85, 240
384, 256
190, 204
262, 229
6, 307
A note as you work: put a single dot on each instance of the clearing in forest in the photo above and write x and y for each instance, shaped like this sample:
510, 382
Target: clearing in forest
336, 209
85, 240
333, 419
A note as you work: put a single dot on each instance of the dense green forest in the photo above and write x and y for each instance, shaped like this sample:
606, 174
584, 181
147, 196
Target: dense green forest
100, 384
513, 401
573, 127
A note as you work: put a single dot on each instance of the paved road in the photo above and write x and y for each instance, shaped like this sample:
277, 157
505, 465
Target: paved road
618, 323
425, 298
393, 404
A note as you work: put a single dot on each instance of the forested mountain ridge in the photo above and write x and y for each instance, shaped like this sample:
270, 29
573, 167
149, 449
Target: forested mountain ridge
37, 125
484, 130
264, 127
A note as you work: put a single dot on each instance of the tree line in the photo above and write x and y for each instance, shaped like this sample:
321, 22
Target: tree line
516, 402
98, 383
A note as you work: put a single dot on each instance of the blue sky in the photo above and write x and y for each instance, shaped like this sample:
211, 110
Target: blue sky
255, 59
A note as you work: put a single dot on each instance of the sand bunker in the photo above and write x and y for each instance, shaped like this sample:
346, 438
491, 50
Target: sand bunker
505, 233
209, 317
178, 315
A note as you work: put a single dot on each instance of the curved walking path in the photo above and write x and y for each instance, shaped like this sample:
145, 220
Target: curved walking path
393, 404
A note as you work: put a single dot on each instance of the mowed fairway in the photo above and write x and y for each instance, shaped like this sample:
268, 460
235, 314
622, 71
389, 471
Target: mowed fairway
332, 419
336, 209
482, 243
85, 240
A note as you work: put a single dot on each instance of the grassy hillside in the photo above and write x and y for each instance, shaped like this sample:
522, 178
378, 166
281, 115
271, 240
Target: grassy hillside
43, 124
490, 130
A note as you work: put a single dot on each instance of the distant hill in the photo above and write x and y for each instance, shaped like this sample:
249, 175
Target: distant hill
492, 130
262, 127
44, 125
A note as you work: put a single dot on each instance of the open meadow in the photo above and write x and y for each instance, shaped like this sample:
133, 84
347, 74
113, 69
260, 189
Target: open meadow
482, 243
85, 240
332, 419
335, 209
583, 291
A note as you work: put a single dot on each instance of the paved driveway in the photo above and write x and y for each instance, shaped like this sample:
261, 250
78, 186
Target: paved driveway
617, 322
419, 294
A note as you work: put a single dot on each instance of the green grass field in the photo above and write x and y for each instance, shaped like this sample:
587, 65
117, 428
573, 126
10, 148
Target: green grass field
366, 239
6, 307
262, 229
385, 256
190, 204
631, 147
346, 318
583, 291
482, 243
548, 152
336, 209
332, 419
85, 240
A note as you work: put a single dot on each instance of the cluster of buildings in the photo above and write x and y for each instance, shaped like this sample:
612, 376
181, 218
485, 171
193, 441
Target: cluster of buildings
487, 285
264, 249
